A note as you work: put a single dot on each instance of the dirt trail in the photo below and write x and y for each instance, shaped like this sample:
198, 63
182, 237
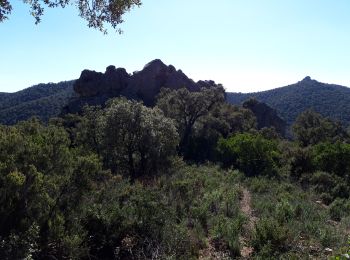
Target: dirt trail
211, 253
246, 208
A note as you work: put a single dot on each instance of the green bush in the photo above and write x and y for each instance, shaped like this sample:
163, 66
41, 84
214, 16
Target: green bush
270, 237
332, 158
228, 230
301, 163
284, 211
339, 208
322, 181
330, 186
252, 154
260, 184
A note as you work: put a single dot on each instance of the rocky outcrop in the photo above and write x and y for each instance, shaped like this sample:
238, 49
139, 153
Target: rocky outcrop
92, 83
95, 88
266, 116
146, 84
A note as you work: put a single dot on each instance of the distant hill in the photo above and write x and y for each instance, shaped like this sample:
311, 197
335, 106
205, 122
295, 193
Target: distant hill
327, 99
43, 101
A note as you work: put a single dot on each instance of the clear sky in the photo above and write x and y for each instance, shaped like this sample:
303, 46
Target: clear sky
247, 45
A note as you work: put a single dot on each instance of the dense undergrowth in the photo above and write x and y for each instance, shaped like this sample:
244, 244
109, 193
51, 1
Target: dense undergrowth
170, 182
293, 222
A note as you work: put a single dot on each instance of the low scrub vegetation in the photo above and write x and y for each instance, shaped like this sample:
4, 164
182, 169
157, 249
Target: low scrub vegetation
181, 180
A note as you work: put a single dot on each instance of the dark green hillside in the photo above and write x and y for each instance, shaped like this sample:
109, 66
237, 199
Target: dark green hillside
3, 96
43, 101
327, 99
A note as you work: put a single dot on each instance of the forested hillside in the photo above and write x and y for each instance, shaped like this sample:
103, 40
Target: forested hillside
330, 100
43, 101
188, 178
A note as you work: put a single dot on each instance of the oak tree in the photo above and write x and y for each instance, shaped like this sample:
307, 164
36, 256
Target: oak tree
187, 108
97, 13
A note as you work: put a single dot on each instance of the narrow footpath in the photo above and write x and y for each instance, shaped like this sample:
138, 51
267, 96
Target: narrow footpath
246, 208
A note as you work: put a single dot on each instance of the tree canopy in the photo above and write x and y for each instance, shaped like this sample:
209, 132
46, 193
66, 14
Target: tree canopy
97, 13
186, 108
312, 128
136, 139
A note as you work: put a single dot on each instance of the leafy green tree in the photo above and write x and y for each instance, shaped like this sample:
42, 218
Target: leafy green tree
333, 158
88, 134
311, 128
252, 154
96, 12
135, 139
234, 119
187, 108
269, 133
223, 121
42, 186
301, 162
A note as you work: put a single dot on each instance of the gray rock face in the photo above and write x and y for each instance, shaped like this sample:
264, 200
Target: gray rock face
93, 83
266, 116
94, 88
146, 84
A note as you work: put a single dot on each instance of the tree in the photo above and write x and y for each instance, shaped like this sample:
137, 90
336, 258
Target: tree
97, 13
223, 121
42, 185
311, 128
186, 108
136, 140
333, 158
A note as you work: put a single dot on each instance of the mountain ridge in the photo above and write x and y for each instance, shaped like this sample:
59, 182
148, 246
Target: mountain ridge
330, 100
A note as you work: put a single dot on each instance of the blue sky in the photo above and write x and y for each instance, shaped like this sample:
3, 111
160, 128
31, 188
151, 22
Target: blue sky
247, 45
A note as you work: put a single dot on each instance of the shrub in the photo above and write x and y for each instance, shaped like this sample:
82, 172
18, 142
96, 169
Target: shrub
284, 211
270, 237
301, 162
228, 230
252, 154
331, 186
260, 185
332, 158
339, 208
322, 181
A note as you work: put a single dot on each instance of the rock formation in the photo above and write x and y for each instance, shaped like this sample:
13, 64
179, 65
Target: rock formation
95, 88
92, 83
266, 116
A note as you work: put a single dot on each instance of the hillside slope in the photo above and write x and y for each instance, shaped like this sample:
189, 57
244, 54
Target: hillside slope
327, 99
42, 100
